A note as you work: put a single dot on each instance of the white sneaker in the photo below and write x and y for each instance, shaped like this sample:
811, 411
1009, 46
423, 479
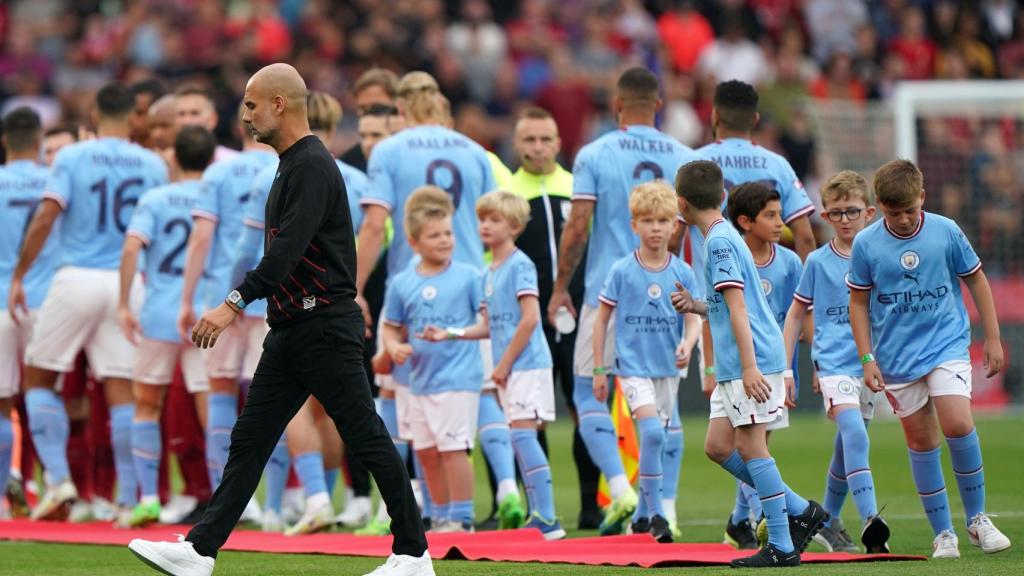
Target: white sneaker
357, 512
174, 558
81, 511
271, 522
103, 509
293, 504
313, 521
177, 509
405, 566
123, 521
946, 545
450, 527
56, 503
252, 513
984, 534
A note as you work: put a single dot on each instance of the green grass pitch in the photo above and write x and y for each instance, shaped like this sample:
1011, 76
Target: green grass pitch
705, 498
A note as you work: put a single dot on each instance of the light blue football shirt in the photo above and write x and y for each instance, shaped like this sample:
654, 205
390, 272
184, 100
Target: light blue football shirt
21, 187
356, 186
647, 329
503, 287
227, 190
98, 183
823, 287
433, 155
918, 318
729, 264
606, 171
743, 161
448, 299
780, 276
163, 221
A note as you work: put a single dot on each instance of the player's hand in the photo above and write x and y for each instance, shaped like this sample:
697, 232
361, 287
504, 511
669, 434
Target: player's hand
815, 383
186, 320
433, 334
212, 324
401, 353
994, 360
601, 387
682, 355
381, 363
873, 377
559, 299
364, 306
755, 386
708, 385
500, 374
682, 300
16, 301
790, 393
129, 324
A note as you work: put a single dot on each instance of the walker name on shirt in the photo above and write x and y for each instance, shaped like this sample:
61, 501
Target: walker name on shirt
436, 143
646, 146
741, 162
116, 161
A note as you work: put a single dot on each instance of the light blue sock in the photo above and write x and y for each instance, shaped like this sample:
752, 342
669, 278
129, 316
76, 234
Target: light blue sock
6, 448
439, 512
533, 464
652, 447
48, 424
596, 428
734, 465
926, 467
772, 491
146, 450
277, 475
970, 473
855, 456
461, 511
121, 440
389, 414
309, 467
673, 459
753, 500
494, 438
223, 411
741, 507
428, 504
331, 479
836, 486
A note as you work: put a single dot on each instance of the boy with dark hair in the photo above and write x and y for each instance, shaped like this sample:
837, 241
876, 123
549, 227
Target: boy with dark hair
907, 308
750, 364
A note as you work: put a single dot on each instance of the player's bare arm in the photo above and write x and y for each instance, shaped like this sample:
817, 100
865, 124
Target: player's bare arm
803, 236
570, 253
126, 274
981, 292
198, 247
604, 313
754, 384
35, 238
371, 239
860, 324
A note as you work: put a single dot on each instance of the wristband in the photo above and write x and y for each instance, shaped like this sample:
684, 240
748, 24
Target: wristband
599, 371
709, 371
867, 358
455, 333
787, 373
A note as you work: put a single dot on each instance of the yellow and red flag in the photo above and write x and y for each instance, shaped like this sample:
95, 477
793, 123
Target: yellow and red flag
629, 449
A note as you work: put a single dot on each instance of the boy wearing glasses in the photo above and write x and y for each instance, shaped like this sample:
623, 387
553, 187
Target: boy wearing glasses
848, 402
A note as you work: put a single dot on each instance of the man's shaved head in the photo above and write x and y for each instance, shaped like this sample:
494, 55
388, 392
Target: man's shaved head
162, 126
275, 103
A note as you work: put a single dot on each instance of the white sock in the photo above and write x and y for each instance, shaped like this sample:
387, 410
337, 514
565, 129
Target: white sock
318, 501
618, 485
668, 505
150, 500
506, 487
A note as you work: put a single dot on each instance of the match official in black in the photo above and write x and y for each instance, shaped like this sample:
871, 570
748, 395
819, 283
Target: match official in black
315, 344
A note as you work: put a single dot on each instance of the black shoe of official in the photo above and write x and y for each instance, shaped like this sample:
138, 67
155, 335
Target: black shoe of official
590, 519
875, 536
641, 526
803, 527
488, 525
660, 529
740, 536
768, 557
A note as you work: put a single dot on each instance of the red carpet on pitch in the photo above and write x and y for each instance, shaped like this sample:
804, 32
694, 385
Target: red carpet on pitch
503, 546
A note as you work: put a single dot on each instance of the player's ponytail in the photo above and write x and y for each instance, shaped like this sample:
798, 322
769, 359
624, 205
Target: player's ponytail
418, 98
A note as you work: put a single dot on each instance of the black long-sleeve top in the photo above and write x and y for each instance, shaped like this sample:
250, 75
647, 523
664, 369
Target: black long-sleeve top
309, 262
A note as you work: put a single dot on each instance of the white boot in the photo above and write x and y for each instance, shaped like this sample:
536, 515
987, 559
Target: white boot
397, 565
175, 558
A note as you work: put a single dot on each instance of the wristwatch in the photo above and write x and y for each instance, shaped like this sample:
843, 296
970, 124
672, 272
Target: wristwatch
234, 300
